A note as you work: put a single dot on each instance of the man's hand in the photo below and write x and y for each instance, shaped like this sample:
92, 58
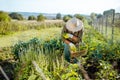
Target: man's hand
72, 47
67, 35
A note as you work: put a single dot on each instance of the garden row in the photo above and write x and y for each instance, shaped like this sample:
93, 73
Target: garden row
101, 62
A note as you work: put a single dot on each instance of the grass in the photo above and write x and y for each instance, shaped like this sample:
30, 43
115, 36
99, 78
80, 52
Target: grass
10, 40
54, 66
6, 41
109, 33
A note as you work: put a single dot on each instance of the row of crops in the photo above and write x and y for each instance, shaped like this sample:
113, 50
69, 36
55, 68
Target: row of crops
101, 62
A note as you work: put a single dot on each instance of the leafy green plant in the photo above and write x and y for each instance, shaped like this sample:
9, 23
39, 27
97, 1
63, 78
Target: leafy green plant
48, 54
106, 71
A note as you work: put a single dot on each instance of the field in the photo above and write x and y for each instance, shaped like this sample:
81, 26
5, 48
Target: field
34, 51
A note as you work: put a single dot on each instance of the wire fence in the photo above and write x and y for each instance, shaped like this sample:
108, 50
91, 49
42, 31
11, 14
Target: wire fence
106, 24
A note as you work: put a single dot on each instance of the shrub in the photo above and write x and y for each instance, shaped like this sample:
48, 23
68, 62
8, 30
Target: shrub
66, 18
40, 17
79, 17
58, 16
32, 18
117, 23
4, 17
15, 15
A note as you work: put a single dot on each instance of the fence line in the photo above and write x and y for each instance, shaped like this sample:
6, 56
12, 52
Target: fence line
105, 24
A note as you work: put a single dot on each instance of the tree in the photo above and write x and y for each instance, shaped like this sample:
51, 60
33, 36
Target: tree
66, 18
40, 17
4, 17
93, 16
15, 15
99, 16
58, 16
32, 18
79, 17
69, 15
109, 12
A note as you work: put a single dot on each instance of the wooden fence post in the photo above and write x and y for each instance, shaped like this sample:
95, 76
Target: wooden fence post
106, 24
4, 74
113, 16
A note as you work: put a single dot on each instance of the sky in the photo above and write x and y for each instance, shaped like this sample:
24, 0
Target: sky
60, 6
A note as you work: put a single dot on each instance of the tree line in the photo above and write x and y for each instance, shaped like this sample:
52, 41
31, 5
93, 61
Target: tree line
107, 17
7, 17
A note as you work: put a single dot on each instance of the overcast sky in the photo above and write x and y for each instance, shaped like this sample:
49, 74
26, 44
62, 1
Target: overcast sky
60, 6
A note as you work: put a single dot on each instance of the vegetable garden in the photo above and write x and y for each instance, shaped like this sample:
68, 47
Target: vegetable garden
42, 58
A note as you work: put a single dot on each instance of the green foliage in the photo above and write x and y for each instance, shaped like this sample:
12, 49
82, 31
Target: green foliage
69, 15
117, 23
11, 27
15, 15
49, 51
109, 12
32, 18
48, 54
23, 71
4, 17
79, 17
66, 18
36, 45
52, 64
5, 28
58, 16
32, 77
93, 16
106, 71
99, 15
40, 17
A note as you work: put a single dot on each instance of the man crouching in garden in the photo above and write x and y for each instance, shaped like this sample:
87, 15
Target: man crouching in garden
72, 35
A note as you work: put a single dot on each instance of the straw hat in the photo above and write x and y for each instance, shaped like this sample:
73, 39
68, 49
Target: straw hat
74, 25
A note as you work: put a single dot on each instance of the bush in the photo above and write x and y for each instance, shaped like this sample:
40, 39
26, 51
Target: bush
106, 71
58, 16
117, 23
66, 18
32, 18
4, 17
40, 17
15, 15
79, 17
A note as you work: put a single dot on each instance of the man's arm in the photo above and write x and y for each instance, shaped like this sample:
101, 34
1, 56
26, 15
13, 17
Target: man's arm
75, 39
78, 38
64, 30
71, 37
